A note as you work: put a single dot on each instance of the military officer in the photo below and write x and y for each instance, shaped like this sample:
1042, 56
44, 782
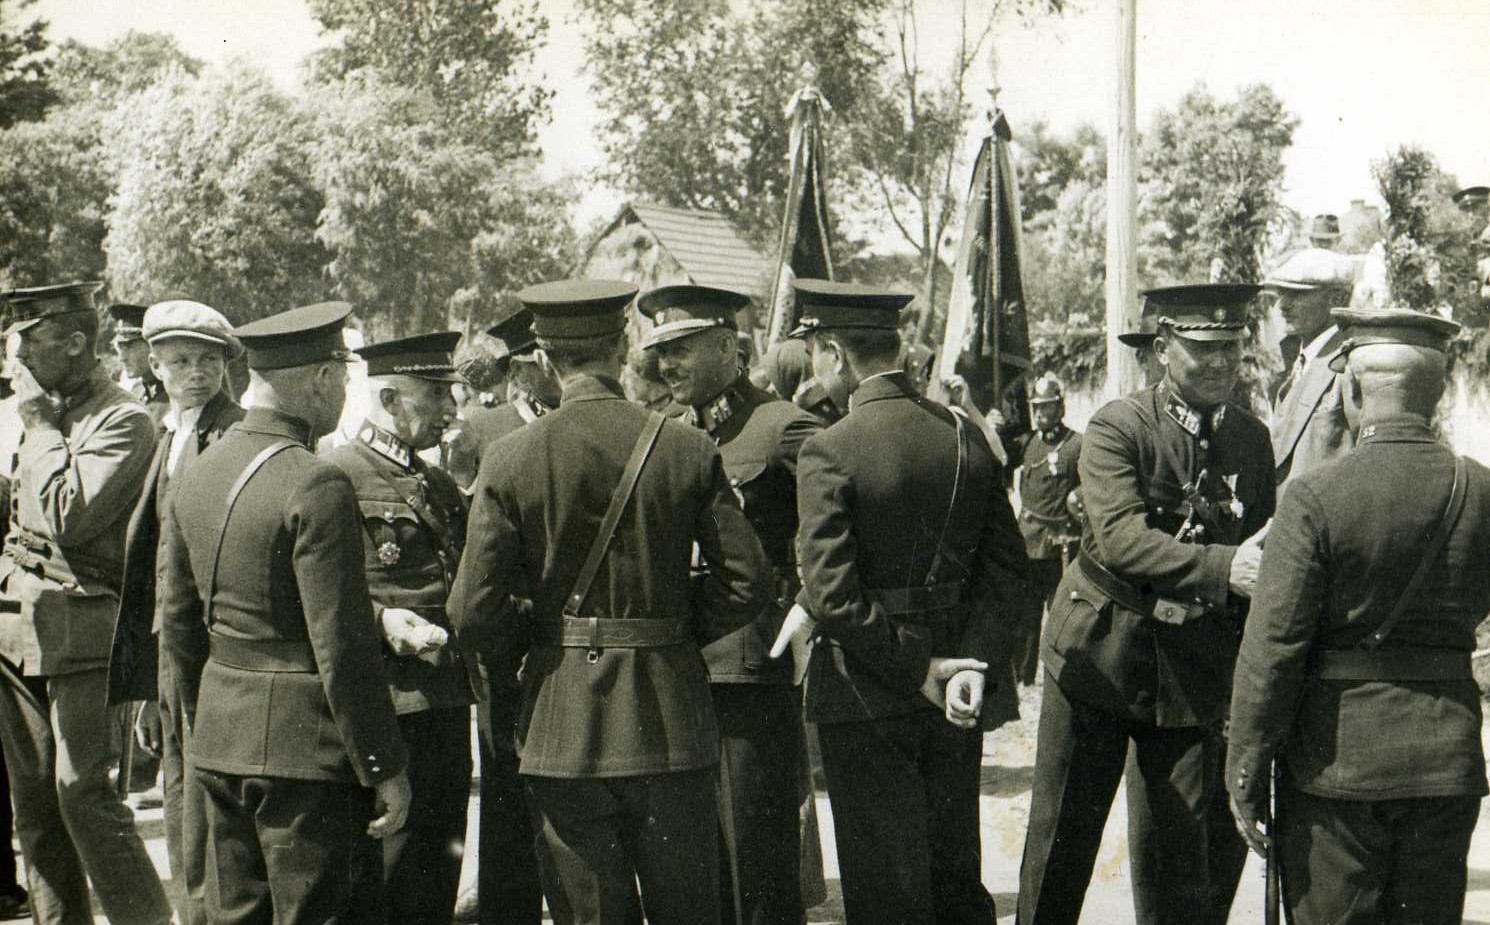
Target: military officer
1047, 476
1142, 342
1308, 426
758, 436
1177, 484
135, 374
269, 635
190, 346
80, 466
1354, 671
618, 737
509, 891
414, 520
913, 568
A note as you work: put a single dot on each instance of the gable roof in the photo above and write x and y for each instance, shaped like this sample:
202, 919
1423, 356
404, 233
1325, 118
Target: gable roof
704, 243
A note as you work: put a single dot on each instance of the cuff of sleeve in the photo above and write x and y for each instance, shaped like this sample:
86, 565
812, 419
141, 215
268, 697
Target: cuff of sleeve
1217, 589
1248, 783
913, 661
375, 769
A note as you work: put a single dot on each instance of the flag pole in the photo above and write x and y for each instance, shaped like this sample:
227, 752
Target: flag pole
1122, 207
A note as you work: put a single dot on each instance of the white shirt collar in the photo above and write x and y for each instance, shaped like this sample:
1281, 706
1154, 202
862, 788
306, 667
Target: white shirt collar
181, 419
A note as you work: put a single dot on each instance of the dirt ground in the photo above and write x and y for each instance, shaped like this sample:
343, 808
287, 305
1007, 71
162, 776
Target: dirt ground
1008, 765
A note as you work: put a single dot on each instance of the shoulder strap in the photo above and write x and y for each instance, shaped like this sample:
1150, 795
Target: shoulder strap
1430, 555
612, 519
959, 483
254, 465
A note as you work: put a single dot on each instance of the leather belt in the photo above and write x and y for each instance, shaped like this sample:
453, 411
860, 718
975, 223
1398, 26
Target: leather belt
612, 633
1129, 598
1392, 665
918, 599
289, 655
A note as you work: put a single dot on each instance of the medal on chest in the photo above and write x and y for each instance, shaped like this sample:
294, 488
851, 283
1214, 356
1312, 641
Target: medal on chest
1052, 459
1234, 505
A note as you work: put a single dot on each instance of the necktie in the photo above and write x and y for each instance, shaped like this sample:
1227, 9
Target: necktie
1293, 378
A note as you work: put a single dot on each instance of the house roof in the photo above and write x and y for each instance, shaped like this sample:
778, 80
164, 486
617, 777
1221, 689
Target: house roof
704, 243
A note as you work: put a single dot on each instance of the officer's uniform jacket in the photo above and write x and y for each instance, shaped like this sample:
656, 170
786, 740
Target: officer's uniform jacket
134, 657
289, 680
1347, 539
1103, 643
150, 393
1048, 473
1309, 427
874, 497
481, 427
414, 527
759, 436
64, 550
536, 510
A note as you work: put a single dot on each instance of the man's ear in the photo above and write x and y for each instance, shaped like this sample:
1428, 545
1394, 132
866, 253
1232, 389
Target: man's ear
388, 399
77, 344
1160, 350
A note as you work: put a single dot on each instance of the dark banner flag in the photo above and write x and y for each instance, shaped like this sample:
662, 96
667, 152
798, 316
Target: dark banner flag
987, 340
803, 247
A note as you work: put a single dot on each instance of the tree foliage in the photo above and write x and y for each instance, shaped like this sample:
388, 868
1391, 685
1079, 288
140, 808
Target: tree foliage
474, 58
26, 90
426, 229
1211, 172
694, 94
215, 197
1430, 243
54, 190
101, 77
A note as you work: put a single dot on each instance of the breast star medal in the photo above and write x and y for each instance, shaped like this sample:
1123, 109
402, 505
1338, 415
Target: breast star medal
1052, 458
388, 553
1235, 505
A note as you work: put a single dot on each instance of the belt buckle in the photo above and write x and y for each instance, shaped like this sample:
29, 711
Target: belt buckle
1172, 612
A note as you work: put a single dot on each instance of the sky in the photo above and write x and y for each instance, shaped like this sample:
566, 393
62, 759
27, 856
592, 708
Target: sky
1363, 78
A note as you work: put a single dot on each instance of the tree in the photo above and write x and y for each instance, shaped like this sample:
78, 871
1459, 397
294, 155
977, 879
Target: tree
85, 75
54, 191
426, 229
907, 147
215, 199
1430, 243
473, 57
25, 86
694, 94
1211, 176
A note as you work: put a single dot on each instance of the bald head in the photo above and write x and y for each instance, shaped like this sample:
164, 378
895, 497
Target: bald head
1395, 378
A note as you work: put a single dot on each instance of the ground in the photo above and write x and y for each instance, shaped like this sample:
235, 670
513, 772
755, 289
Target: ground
1008, 764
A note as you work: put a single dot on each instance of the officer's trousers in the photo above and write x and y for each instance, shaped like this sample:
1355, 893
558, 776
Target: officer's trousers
904, 792
1394, 862
1079, 760
600, 837
760, 750
72, 826
278, 851
1226, 852
509, 891
1043, 578
186, 883
410, 876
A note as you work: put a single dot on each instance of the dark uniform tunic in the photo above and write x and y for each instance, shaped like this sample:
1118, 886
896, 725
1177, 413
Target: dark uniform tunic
1383, 767
1140, 647
895, 573
286, 698
758, 436
507, 884
618, 746
1048, 474
414, 527
135, 668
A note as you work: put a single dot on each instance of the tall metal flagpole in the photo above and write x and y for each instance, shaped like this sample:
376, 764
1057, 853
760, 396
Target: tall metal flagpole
1122, 207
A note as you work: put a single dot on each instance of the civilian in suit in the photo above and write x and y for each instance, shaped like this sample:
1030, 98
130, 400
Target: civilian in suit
190, 347
1308, 427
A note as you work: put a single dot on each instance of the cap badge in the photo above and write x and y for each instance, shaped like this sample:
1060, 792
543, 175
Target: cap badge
1219, 314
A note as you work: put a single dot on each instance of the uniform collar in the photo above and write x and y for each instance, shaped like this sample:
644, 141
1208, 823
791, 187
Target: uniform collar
529, 408
1184, 414
714, 414
86, 389
386, 444
894, 384
1055, 434
590, 388
276, 423
1397, 428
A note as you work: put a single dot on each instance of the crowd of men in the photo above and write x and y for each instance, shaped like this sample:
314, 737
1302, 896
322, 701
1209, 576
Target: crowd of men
664, 577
